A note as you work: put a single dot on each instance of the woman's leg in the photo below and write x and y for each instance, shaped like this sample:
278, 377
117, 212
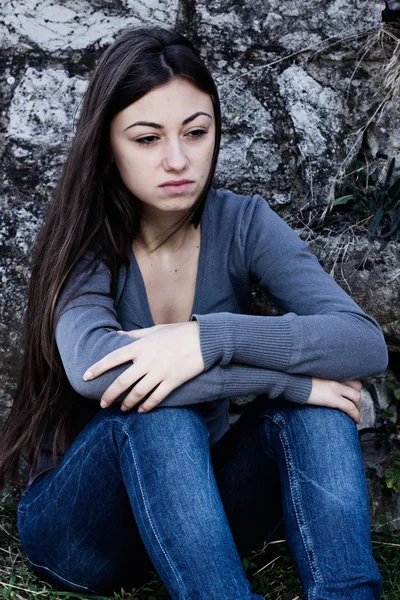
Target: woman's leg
317, 456
76, 523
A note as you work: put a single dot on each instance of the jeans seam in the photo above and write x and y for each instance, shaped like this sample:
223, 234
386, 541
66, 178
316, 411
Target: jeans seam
293, 483
173, 569
61, 576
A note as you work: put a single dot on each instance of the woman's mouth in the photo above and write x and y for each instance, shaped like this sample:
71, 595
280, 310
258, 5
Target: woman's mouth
177, 187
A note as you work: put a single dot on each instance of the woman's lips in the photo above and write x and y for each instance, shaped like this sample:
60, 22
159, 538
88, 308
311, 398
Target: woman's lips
179, 188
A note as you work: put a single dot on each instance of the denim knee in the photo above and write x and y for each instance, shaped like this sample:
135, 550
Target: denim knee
160, 428
313, 424
321, 444
157, 417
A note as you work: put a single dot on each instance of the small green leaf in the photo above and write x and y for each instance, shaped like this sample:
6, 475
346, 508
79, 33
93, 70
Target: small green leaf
392, 475
343, 200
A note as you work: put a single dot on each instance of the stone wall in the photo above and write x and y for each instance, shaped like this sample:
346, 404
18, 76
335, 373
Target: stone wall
303, 88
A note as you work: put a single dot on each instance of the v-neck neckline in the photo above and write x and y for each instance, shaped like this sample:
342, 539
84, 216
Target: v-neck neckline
201, 270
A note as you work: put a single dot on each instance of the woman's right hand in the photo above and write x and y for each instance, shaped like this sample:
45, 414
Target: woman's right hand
344, 395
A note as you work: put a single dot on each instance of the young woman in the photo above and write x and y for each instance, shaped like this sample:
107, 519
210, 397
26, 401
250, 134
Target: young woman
137, 336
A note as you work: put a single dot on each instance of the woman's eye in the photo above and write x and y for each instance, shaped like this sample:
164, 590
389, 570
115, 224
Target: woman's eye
197, 133
149, 139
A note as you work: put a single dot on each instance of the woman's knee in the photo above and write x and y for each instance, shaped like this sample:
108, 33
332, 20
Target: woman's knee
320, 445
160, 427
316, 424
175, 419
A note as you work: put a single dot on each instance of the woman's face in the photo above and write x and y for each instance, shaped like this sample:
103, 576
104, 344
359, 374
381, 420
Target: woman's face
166, 136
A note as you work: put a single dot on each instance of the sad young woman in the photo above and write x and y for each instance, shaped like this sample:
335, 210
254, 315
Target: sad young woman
137, 336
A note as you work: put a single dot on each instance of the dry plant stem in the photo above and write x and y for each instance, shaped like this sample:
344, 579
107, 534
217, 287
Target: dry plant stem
351, 154
265, 546
271, 563
324, 46
386, 544
17, 587
391, 84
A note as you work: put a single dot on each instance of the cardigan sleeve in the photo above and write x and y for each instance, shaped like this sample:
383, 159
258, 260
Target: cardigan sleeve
86, 327
234, 380
86, 331
323, 332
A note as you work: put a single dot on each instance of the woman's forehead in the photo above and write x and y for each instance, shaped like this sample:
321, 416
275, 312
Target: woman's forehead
175, 100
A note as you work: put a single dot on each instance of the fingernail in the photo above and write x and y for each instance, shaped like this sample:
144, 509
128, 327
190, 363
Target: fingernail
88, 375
103, 404
123, 407
141, 410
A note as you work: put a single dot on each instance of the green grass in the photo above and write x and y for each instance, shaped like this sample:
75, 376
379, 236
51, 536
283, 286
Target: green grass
270, 571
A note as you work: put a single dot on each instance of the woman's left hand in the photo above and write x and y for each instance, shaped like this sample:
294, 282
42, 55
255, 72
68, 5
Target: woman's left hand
163, 356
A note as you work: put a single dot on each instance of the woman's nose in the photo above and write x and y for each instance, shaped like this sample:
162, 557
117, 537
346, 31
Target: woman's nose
175, 158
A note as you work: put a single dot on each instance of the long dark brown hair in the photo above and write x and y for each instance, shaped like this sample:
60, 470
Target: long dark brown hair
90, 208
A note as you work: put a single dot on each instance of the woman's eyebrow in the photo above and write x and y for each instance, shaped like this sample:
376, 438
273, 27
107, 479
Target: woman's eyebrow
158, 126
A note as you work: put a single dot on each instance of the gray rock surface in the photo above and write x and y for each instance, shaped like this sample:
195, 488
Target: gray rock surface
292, 25
316, 112
250, 154
370, 276
58, 27
374, 399
43, 109
368, 411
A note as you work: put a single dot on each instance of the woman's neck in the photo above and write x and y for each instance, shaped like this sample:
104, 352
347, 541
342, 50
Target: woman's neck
151, 234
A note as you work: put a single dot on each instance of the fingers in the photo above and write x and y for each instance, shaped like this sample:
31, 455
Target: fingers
120, 385
350, 401
156, 397
113, 359
345, 396
146, 385
118, 356
351, 393
348, 407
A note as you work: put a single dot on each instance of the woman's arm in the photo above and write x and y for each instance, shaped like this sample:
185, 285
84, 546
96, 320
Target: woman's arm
160, 360
87, 332
324, 333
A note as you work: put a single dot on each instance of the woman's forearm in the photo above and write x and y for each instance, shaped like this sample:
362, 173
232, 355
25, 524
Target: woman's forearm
239, 380
93, 343
342, 345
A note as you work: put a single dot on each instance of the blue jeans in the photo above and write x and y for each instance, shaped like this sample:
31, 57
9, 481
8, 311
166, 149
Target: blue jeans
142, 492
